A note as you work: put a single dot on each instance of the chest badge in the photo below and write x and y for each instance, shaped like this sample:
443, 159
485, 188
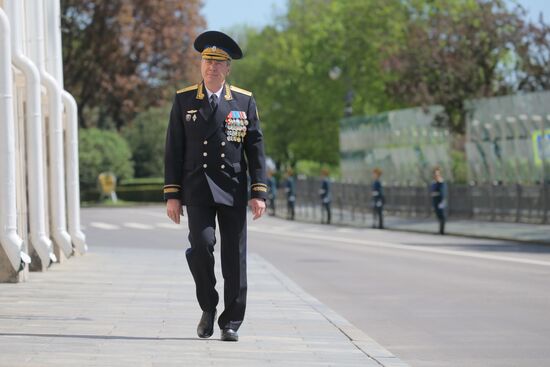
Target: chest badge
236, 126
191, 115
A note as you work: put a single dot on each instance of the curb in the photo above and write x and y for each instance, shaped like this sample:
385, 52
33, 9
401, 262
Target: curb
483, 237
362, 341
434, 232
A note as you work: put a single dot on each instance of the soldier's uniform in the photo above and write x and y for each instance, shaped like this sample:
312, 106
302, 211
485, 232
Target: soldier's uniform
290, 189
326, 198
438, 192
377, 204
209, 152
272, 193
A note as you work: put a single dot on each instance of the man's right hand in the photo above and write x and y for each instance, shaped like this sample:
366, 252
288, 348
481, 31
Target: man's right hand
174, 210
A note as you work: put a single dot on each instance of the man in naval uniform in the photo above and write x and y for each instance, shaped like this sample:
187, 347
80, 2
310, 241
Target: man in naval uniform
213, 140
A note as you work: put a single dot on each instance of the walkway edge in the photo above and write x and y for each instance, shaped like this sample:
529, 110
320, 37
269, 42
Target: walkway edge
451, 232
470, 235
362, 341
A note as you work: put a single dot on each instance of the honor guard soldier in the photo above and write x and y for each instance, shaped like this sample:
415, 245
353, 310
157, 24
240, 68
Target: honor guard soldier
271, 191
377, 199
326, 196
213, 141
290, 190
438, 190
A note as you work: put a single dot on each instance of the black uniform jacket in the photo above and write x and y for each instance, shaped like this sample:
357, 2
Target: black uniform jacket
208, 153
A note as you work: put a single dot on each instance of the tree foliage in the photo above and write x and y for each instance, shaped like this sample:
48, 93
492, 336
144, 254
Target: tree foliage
103, 151
392, 54
533, 66
287, 67
146, 136
452, 52
123, 56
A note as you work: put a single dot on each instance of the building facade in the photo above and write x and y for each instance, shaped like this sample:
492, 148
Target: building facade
507, 141
39, 188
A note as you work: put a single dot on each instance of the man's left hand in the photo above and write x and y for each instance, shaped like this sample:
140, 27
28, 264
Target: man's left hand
257, 206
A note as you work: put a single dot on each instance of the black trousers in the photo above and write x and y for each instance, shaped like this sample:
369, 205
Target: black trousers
200, 257
326, 209
378, 216
290, 211
378, 213
271, 205
440, 214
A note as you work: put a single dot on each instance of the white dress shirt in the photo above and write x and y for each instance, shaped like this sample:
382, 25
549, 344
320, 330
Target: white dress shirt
218, 93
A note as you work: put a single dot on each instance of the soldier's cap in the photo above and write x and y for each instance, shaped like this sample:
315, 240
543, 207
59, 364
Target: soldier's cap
214, 45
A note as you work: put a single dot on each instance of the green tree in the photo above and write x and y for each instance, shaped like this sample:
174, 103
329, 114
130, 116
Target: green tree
146, 136
101, 151
287, 66
533, 65
121, 57
454, 51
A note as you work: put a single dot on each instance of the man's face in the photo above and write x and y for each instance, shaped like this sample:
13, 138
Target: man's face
214, 72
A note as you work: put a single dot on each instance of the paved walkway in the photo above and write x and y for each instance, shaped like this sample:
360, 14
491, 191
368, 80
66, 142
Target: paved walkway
496, 230
136, 307
523, 232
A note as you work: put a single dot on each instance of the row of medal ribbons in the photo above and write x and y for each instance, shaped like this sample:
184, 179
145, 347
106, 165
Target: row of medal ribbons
235, 126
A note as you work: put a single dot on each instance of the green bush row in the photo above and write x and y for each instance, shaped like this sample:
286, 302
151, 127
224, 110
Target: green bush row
131, 182
139, 193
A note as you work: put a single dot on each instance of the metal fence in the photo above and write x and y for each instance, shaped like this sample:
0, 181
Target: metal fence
351, 203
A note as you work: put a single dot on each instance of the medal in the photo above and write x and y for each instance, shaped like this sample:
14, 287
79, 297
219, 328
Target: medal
235, 126
188, 117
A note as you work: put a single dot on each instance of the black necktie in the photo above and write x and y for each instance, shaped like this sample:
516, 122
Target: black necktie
213, 101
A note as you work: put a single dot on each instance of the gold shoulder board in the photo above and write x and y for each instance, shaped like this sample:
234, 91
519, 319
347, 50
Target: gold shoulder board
239, 90
187, 89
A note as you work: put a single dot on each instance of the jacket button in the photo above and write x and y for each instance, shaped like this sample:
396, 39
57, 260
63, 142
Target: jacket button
204, 165
204, 154
205, 142
222, 155
223, 166
223, 143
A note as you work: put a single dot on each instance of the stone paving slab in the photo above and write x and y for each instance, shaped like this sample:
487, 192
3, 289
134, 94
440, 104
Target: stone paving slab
137, 307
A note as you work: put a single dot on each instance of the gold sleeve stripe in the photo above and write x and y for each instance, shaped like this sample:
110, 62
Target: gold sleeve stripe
258, 184
259, 188
239, 90
171, 185
170, 190
187, 89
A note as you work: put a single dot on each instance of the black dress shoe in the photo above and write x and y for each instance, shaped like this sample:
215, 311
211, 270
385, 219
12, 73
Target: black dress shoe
205, 329
229, 335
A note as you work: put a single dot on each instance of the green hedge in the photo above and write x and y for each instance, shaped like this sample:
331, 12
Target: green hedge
143, 193
142, 181
103, 151
139, 190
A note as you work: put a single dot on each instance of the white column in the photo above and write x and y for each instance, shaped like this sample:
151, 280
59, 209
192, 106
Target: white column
55, 65
58, 221
34, 133
9, 239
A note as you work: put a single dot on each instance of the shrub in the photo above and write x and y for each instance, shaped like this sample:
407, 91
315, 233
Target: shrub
100, 151
146, 136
